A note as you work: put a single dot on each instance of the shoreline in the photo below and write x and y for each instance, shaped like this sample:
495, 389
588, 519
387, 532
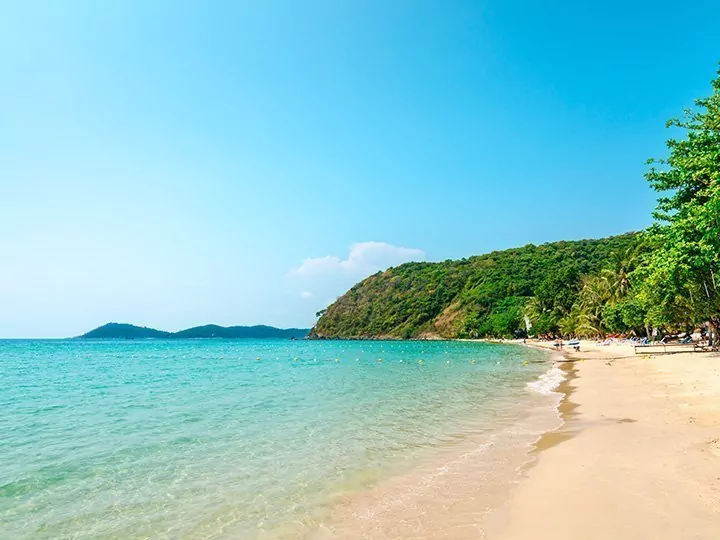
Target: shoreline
450, 494
637, 455
566, 408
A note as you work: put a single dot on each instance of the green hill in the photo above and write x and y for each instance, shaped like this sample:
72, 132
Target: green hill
480, 296
124, 331
238, 332
129, 331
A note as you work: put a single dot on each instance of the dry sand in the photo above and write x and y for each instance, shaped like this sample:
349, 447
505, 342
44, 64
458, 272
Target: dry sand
639, 456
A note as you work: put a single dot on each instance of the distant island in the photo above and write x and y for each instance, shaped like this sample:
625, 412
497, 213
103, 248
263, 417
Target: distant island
130, 331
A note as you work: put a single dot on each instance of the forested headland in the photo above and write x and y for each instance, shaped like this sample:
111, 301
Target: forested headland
664, 279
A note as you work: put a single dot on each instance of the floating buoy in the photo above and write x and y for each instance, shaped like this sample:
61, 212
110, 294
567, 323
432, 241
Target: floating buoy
337, 359
525, 363
420, 361
379, 360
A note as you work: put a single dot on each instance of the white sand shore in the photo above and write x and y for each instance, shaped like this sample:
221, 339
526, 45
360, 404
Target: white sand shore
639, 457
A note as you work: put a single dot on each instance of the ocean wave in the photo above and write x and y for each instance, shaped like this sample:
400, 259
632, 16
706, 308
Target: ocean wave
548, 382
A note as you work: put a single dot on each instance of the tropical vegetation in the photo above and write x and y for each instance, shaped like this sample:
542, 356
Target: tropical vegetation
661, 280
486, 295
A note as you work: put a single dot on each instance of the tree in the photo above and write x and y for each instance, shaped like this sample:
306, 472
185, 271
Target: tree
541, 317
533, 309
622, 264
594, 295
683, 269
626, 315
570, 323
559, 289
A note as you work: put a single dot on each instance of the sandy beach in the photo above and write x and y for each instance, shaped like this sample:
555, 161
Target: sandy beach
638, 456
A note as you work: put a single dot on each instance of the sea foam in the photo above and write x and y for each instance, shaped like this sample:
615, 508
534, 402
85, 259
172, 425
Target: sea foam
548, 382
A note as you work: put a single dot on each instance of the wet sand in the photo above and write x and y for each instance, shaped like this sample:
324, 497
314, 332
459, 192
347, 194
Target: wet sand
638, 456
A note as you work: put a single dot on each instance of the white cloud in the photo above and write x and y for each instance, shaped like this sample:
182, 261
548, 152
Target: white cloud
330, 276
364, 258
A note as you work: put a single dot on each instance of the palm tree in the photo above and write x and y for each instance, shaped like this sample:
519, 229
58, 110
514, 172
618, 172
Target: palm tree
533, 309
570, 323
618, 273
595, 293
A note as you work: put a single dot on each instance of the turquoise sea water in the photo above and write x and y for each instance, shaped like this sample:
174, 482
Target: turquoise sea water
237, 439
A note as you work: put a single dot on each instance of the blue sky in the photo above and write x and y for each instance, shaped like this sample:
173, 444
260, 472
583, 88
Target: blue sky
178, 163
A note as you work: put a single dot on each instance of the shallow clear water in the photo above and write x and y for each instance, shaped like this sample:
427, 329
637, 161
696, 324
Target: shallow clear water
241, 439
